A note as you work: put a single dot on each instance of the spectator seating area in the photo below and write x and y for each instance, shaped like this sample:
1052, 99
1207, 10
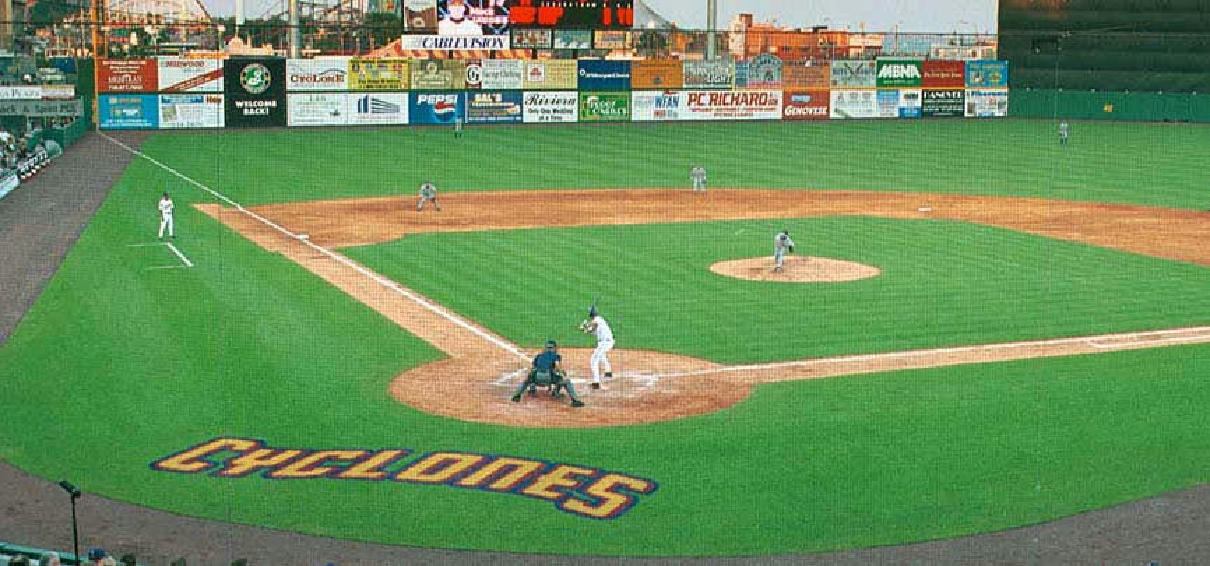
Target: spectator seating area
24, 156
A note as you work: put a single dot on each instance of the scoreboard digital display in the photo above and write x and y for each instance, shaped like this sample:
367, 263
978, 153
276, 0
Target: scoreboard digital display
572, 14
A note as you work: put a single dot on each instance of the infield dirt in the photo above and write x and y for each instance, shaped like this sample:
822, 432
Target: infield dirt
475, 382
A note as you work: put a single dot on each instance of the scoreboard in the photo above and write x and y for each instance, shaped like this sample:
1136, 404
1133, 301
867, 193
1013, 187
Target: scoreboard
572, 14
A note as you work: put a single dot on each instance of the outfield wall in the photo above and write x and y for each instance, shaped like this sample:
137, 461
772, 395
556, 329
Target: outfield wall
1093, 105
168, 93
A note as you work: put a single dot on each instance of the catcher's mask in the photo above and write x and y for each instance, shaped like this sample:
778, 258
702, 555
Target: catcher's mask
551, 345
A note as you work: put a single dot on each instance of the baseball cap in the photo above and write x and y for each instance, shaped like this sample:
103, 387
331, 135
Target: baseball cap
97, 553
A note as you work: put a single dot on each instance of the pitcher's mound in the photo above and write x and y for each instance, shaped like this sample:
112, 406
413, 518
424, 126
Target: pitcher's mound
796, 269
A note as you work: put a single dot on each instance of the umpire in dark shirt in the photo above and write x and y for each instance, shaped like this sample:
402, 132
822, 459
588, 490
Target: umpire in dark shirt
547, 363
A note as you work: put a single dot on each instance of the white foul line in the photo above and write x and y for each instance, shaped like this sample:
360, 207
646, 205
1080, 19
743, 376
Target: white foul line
179, 254
1098, 342
510, 348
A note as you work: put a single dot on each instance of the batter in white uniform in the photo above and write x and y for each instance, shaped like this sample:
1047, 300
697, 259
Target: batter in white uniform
781, 244
166, 217
597, 326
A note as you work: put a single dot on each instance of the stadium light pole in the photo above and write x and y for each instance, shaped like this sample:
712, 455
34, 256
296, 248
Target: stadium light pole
711, 28
75, 494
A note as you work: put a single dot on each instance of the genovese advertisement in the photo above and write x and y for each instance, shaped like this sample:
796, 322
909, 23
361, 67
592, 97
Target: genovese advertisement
128, 111
495, 74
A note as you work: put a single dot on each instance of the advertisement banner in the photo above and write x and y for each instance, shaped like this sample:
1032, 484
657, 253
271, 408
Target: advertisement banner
656, 73
707, 105
899, 73
604, 75
649, 105
849, 103
128, 111
378, 74
910, 101
944, 74
457, 43
438, 74
133, 75
42, 108
987, 74
940, 103
21, 92
317, 109
741, 74
853, 74
612, 39
436, 107
378, 108
709, 74
550, 74
190, 75
888, 102
806, 105
58, 92
984, 103
472, 18
604, 107
317, 74
495, 74
807, 74
420, 14
255, 90
501, 107
573, 39
764, 71
191, 111
531, 39
545, 107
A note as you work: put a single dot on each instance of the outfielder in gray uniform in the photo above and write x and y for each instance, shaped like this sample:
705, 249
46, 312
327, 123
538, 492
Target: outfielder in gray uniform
697, 174
781, 244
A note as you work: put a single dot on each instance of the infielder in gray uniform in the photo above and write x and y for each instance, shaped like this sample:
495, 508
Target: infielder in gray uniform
697, 174
1064, 130
428, 191
781, 244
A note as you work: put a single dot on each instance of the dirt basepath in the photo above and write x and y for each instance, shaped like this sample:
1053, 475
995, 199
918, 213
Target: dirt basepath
474, 383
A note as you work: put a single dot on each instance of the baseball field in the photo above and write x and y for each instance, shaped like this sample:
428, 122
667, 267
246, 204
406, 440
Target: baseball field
980, 329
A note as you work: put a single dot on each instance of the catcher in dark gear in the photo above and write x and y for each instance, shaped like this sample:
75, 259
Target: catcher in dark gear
546, 373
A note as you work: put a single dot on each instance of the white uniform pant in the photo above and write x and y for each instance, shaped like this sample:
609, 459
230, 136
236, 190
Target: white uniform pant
600, 358
779, 255
166, 221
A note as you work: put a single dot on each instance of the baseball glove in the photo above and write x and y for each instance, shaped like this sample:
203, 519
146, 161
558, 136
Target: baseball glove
791, 249
585, 326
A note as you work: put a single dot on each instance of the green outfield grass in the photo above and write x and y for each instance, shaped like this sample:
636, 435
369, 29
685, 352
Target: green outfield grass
117, 366
944, 283
1154, 164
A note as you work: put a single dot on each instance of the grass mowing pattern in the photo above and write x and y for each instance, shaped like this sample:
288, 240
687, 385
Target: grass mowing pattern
116, 366
1156, 164
943, 283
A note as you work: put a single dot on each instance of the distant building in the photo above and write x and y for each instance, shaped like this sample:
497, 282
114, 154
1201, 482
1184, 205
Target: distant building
13, 16
748, 38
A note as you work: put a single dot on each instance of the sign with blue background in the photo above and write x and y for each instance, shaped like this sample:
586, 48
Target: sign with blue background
604, 75
987, 74
436, 107
128, 111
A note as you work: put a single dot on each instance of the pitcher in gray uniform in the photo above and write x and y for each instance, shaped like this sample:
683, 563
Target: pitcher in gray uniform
781, 244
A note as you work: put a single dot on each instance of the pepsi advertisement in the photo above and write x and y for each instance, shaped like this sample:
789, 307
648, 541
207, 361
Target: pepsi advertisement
436, 107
